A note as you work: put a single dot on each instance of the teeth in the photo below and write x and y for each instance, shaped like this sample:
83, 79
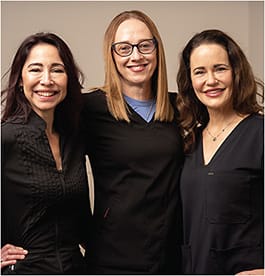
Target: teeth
137, 68
45, 94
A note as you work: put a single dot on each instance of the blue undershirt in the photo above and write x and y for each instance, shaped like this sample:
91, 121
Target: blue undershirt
145, 108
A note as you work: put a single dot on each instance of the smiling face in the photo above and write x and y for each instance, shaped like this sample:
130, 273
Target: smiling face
44, 79
136, 69
211, 76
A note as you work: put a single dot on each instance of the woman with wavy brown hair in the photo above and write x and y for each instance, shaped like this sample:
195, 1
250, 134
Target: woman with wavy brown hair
223, 175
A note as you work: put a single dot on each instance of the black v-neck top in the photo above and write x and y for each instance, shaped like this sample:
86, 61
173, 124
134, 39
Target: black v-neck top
136, 170
223, 203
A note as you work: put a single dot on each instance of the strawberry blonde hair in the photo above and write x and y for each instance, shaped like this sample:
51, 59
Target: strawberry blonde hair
112, 86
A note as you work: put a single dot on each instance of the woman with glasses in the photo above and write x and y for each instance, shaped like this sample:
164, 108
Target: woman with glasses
135, 152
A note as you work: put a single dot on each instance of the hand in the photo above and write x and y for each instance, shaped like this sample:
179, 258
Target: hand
10, 254
252, 272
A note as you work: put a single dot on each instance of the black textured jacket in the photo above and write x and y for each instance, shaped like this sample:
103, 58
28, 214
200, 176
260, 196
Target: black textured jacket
44, 210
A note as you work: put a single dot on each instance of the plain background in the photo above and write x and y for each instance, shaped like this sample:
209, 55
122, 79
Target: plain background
82, 25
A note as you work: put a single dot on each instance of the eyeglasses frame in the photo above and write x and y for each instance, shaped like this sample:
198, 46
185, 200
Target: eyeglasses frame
134, 45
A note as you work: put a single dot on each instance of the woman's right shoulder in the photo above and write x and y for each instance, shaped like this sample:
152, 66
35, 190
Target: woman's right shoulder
94, 98
95, 94
8, 131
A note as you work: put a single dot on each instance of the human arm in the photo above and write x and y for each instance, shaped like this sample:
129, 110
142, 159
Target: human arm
10, 254
252, 272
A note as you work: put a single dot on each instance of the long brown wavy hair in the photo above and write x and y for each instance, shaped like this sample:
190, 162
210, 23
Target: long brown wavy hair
245, 86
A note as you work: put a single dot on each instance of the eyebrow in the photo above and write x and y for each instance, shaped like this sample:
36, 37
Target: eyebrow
127, 41
221, 64
215, 66
40, 64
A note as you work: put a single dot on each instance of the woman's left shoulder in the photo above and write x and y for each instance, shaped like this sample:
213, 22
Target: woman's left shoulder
254, 123
257, 118
172, 95
173, 98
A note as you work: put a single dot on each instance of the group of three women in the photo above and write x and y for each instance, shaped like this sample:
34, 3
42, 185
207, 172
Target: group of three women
155, 212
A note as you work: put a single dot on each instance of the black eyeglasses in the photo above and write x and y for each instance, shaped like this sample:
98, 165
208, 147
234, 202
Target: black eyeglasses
124, 49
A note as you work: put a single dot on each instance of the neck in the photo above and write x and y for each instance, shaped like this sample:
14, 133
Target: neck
138, 92
218, 120
49, 120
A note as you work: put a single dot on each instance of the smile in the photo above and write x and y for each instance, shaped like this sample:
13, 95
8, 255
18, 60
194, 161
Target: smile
137, 68
46, 93
214, 91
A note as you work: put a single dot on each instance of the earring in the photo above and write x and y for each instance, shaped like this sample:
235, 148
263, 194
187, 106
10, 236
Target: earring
21, 89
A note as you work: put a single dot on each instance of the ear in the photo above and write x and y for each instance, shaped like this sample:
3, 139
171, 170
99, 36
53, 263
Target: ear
20, 85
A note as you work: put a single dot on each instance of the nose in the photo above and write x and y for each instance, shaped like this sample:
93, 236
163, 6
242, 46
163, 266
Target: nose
211, 79
135, 53
46, 78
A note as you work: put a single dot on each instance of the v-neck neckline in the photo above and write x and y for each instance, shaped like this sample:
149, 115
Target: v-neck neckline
221, 146
138, 117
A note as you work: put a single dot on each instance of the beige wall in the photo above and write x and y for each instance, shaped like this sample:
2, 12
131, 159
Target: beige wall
82, 25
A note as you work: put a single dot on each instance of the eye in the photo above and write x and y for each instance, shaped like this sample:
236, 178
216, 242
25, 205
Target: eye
124, 47
221, 68
35, 69
58, 70
145, 45
198, 72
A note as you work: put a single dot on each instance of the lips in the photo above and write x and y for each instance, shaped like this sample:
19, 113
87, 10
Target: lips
137, 68
214, 92
46, 93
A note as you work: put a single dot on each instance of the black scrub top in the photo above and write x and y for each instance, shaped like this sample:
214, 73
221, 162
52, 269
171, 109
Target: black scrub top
223, 204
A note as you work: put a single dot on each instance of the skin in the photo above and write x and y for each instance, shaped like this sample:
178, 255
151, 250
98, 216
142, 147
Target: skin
252, 272
10, 254
134, 82
211, 76
44, 82
137, 69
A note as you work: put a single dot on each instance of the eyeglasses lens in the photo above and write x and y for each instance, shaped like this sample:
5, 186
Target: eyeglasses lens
125, 49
